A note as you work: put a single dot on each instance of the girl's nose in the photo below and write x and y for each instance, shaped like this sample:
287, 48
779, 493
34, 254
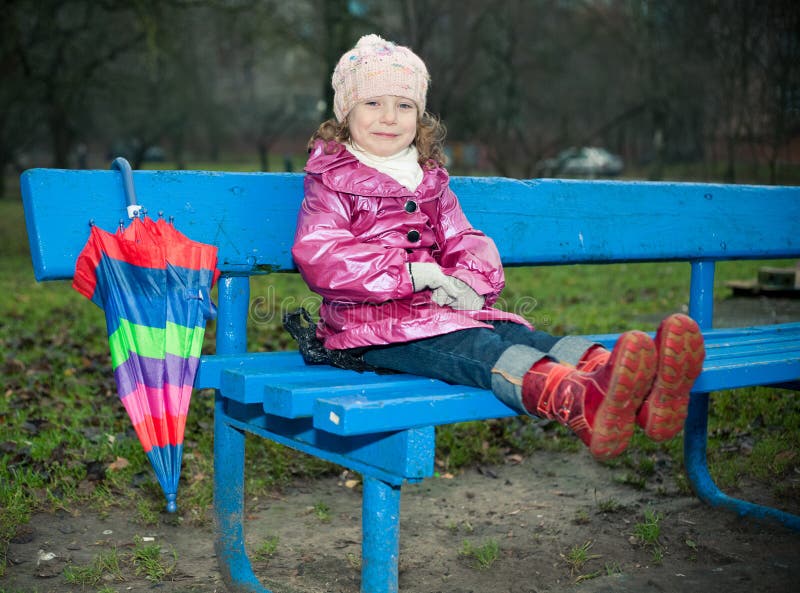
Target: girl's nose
388, 114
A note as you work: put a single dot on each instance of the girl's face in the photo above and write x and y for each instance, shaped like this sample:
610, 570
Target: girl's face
384, 125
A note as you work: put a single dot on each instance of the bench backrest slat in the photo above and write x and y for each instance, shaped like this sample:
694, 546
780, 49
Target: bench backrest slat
250, 217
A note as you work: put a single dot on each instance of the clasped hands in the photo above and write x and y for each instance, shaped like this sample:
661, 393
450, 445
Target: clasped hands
447, 291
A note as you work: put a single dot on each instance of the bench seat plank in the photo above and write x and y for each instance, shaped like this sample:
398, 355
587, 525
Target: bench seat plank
729, 365
297, 399
358, 415
744, 357
765, 369
248, 386
727, 336
209, 373
352, 415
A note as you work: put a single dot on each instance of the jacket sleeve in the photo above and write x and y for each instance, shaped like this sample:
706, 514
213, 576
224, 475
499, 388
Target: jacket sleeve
467, 253
334, 263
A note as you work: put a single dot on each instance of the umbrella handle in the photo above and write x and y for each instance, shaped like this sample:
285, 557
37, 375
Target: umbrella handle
124, 167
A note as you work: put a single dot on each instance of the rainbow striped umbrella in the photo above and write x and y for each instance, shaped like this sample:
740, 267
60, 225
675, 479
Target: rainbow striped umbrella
153, 284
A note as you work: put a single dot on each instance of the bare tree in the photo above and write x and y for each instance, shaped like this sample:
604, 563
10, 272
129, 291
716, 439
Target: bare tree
522, 79
778, 71
20, 127
63, 49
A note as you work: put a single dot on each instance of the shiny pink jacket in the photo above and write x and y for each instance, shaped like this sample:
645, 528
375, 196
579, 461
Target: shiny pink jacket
357, 231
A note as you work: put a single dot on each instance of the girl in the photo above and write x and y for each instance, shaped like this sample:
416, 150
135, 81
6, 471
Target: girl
408, 284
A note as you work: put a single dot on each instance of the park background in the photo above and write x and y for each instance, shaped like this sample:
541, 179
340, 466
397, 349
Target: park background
685, 90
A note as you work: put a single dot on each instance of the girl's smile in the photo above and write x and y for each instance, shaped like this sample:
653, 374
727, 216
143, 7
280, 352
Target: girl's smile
385, 125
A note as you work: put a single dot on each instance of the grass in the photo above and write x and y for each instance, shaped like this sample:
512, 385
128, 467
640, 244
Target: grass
647, 533
581, 517
105, 565
481, 557
751, 173
578, 556
149, 561
649, 529
609, 569
146, 560
322, 511
609, 505
267, 549
63, 431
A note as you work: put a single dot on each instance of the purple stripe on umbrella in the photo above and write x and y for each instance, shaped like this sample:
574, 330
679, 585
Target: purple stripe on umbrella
154, 372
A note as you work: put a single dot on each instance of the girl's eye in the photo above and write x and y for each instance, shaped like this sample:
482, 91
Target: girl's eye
371, 103
406, 106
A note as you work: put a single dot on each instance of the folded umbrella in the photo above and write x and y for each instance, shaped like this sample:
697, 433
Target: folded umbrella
153, 284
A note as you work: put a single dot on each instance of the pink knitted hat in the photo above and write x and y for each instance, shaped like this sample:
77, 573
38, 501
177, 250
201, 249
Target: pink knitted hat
376, 67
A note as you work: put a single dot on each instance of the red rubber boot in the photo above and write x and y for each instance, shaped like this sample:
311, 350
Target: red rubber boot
680, 353
596, 356
599, 406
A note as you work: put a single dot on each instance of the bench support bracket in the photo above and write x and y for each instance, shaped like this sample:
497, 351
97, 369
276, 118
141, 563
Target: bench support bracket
695, 432
694, 451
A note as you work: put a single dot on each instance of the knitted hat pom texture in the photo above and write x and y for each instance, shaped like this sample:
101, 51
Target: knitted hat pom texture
377, 67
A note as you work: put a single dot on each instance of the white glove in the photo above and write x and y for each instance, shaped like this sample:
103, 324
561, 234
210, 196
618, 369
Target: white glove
457, 294
426, 275
448, 291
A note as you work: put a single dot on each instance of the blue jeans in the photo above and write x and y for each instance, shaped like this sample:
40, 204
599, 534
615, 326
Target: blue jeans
473, 357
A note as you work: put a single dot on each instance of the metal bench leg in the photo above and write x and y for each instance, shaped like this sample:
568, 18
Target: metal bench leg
694, 450
701, 308
380, 547
229, 506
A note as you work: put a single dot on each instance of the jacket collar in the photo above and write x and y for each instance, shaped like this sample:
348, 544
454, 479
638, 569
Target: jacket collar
342, 171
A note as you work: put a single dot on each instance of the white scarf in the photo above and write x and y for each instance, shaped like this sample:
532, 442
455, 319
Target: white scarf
402, 167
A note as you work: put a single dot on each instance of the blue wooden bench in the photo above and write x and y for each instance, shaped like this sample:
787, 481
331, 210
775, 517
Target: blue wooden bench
383, 426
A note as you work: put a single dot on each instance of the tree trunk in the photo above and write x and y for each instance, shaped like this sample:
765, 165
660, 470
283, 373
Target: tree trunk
263, 156
729, 176
60, 138
178, 143
337, 22
4, 162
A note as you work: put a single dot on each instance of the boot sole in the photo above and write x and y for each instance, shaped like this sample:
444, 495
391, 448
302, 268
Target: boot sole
681, 352
633, 374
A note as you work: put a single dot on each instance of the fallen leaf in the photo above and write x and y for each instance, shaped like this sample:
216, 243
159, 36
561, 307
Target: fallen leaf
120, 463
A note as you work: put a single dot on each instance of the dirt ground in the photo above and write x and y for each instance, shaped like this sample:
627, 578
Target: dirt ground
539, 510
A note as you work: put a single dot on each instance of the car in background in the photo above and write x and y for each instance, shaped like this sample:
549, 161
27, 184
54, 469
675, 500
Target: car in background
586, 161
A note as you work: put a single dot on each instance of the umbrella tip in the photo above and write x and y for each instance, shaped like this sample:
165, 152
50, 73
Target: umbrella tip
172, 506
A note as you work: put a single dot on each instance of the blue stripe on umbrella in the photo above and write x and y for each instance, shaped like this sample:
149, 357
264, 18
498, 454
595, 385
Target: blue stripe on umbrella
133, 290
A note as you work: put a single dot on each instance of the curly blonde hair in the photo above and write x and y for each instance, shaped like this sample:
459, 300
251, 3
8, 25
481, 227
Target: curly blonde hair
429, 139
